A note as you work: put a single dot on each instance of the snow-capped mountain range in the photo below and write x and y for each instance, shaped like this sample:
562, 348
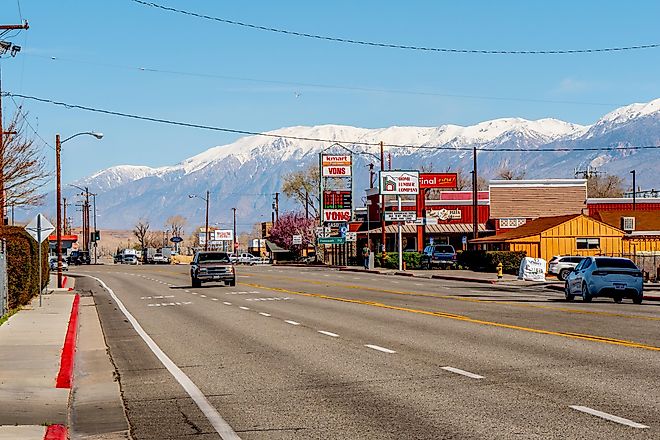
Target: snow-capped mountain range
246, 173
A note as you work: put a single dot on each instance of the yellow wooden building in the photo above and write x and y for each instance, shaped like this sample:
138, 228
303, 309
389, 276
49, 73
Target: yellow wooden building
546, 237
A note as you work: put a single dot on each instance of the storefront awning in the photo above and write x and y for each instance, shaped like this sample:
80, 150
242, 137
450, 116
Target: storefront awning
449, 228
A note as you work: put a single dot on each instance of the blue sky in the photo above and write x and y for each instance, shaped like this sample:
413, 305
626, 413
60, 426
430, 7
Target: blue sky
99, 46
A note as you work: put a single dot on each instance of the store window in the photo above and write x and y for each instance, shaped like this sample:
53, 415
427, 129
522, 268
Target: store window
587, 243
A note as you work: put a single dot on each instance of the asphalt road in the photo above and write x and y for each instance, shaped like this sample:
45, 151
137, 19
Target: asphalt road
296, 353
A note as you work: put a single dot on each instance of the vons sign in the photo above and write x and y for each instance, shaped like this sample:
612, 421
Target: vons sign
336, 165
336, 215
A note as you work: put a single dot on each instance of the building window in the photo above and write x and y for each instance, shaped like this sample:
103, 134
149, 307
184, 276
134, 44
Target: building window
587, 243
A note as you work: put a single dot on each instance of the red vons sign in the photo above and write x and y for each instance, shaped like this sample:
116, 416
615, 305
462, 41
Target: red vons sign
438, 180
337, 215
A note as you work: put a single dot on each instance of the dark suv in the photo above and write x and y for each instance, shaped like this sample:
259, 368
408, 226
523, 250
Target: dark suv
441, 255
79, 257
212, 266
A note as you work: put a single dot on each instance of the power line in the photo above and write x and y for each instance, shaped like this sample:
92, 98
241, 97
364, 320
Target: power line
396, 46
19, 108
323, 86
302, 138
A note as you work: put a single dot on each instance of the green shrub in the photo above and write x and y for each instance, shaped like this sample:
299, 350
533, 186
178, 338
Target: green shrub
487, 261
412, 260
22, 265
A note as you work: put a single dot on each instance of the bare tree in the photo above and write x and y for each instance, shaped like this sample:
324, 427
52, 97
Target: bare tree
22, 165
141, 231
464, 180
175, 224
604, 185
154, 239
298, 184
505, 172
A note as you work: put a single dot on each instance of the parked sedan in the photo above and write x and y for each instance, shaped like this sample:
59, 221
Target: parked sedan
563, 266
615, 278
52, 262
129, 259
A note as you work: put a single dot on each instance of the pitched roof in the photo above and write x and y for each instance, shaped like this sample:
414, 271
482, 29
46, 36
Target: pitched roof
533, 227
644, 220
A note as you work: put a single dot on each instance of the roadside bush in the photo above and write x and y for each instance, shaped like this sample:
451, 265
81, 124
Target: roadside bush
412, 260
22, 265
487, 261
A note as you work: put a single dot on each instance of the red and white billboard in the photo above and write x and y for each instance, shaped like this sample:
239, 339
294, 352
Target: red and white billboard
438, 180
336, 215
334, 165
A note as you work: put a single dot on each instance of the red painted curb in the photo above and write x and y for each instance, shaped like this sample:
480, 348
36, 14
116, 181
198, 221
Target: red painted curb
56, 432
64, 280
65, 376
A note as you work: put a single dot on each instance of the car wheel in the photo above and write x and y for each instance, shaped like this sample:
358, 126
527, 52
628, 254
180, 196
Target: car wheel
567, 292
231, 283
617, 299
586, 296
563, 274
195, 282
638, 299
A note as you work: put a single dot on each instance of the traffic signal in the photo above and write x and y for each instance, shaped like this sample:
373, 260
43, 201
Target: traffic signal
95, 236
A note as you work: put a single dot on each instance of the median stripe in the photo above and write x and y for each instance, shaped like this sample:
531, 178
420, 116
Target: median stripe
462, 372
379, 348
323, 332
610, 417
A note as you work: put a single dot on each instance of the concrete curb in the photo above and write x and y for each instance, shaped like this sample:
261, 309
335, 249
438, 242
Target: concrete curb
65, 376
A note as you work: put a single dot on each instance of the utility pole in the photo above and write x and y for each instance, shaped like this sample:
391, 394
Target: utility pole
5, 47
58, 172
277, 206
306, 205
95, 231
206, 242
475, 197
371, 176
634, 191
64, 214
234, 247
383, 235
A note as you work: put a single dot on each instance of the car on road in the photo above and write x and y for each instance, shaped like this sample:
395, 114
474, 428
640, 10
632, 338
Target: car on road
79, 257
246, 258
159, 258
129, 259
212, 266
441, 255
611, 277
562, 266
52, 263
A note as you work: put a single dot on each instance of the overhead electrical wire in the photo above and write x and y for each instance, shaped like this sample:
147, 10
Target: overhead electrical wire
393, 45
303, 138
323, 86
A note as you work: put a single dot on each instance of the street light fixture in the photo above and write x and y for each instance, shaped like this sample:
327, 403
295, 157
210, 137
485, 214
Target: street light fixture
58, 167
206, 226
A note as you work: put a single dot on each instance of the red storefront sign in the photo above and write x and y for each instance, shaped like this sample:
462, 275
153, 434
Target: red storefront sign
437, 180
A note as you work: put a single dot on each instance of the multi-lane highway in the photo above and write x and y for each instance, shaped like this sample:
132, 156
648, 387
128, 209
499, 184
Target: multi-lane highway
297, 353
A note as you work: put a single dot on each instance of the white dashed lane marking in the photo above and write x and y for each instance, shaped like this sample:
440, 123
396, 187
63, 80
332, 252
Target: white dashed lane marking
214, 299
292, 322
323, 332
379, 348
462, 372
264, 314
244, 308
610, 417
203, 296
226, 303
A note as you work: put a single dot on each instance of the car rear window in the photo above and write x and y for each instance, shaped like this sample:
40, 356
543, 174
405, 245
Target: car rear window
213, 257
618, 263
445, 249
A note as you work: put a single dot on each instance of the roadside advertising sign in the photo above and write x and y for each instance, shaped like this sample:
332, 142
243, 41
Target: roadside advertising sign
351, 237
223, 235
334, 165
438, 180
337, 199
399, 182
336, 215
176, 239
445, 214
297, 239
400, 216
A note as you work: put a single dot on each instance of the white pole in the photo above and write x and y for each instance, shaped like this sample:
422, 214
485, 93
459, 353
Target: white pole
398, 198
39, 245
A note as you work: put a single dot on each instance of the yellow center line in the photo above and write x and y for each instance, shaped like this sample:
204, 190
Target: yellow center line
475, 300
580, 336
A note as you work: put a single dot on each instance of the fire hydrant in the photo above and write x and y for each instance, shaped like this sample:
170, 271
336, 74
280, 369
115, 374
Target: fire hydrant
499, 271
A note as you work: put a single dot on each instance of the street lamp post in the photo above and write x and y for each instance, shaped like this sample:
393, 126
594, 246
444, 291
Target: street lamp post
234, 247
206, 225
58, 150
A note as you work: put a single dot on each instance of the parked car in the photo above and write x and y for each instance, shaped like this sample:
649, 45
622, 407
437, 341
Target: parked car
441, 255
118, 258
212, 266
616, 278
79, 257
561, 267
129, 259
159, 258
250, 259
52, 263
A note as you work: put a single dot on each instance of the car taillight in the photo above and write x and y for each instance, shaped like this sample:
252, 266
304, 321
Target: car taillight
453, 257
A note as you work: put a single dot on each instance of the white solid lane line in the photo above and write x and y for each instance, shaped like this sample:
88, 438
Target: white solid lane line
244, 308
610, 417
264, 314
227, 303
379, 348
323, 332
292, 322
213, 416
462, 372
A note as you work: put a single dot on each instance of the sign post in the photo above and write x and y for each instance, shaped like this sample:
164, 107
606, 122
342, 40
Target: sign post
398, 183
40, 228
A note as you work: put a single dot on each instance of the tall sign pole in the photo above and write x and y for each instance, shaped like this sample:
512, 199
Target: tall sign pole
383, 235
475, 197
58, 172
